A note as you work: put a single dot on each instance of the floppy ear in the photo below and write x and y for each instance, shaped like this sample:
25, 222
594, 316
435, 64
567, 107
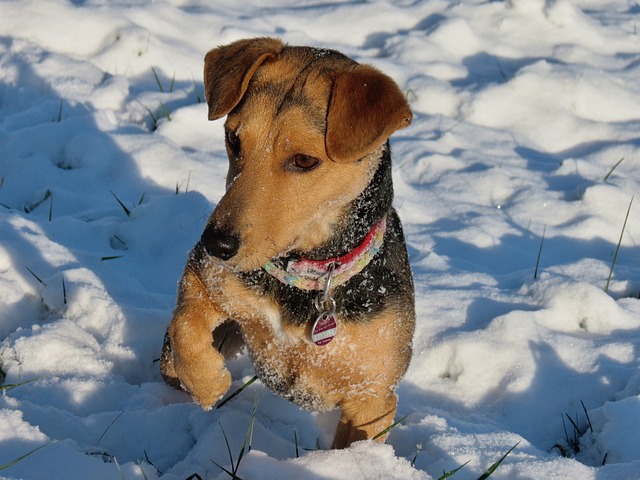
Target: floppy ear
365, 108
228, 70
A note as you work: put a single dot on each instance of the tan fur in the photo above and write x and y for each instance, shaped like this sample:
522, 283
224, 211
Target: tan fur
355, 371
363, 93
279, 102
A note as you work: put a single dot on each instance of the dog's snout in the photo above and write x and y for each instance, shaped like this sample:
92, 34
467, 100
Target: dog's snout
220, 244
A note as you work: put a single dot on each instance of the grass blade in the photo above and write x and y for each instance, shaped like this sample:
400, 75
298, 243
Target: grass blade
606, 177
248, 436
166, 112
231, 474
115, 460
535, 273
452, 472
126, 210
30, 207
59, 118
586, 414
110, 425
226, 440
495, 466
575, 424
237, 392
50, 206
157, 79
615, 256
144, 475
9, 386
393, 425
197, 92
154, 119
36, 277
19, 459
111, 257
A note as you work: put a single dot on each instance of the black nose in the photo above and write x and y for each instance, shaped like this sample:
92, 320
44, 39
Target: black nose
220, 244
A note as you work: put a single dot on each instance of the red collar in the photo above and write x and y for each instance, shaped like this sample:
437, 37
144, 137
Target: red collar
308, 274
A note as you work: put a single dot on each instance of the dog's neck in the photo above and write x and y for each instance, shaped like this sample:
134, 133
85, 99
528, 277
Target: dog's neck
361, 237
308, 274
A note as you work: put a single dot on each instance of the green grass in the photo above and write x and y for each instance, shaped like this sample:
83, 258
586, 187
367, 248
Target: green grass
573, 440
9, 386
179, 184
197, 92
390, 427
124, 208
295, 440
246, 445
19, 459
615, 256
166, 112
50, 206
58, 118
487, 473
144, 475
110, 257
171, 85
606, 177
237, 392
155, 118
535, 273
109, 426
36, 277
451, 472
30, 207
495, 466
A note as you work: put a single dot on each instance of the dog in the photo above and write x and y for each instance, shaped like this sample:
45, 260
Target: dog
303, 260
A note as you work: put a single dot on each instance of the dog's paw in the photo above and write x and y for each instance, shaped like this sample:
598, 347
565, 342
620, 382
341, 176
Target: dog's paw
208, 391
206, 384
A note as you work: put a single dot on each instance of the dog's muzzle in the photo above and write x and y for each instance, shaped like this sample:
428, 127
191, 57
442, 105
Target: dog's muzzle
220, 244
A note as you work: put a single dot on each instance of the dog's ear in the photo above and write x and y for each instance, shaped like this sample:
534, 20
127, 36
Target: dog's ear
228, 70
365, 108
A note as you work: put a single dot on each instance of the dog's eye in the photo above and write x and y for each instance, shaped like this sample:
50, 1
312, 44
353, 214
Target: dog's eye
304, 163
233, 142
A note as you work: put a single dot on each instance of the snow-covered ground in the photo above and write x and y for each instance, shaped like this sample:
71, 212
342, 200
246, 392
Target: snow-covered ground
522, 108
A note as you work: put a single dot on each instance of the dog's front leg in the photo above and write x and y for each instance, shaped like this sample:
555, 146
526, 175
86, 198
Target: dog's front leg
364, 418
189, 359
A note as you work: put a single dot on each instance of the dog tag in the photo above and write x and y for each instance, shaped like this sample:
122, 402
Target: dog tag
324, 329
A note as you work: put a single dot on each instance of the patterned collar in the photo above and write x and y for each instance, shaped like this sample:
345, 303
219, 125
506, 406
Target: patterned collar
307, 274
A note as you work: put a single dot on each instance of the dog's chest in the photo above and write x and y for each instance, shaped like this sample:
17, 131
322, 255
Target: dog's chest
287, 362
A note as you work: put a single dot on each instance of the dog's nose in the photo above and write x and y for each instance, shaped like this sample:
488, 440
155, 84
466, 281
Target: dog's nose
220, 244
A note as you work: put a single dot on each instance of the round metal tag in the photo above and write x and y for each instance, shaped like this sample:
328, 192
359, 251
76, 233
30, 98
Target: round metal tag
324, 329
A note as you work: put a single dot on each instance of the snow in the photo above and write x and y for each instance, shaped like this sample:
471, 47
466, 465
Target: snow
521, 109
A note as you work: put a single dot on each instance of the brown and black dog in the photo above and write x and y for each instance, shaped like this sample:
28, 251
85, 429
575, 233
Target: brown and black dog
303, 258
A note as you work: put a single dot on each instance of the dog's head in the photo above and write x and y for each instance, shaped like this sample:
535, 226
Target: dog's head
304, 134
